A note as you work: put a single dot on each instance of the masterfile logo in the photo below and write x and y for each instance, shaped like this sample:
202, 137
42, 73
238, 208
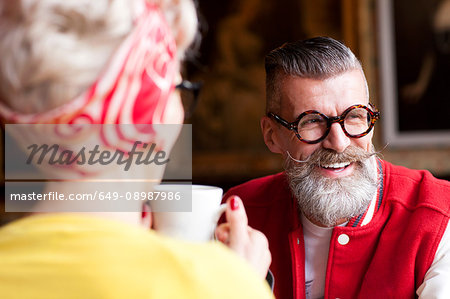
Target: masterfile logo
141, 153
95, 168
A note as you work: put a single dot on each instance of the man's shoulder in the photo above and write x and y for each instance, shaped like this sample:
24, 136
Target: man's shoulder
263, 190
420, 187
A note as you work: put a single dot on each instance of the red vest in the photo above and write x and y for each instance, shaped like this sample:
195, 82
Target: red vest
387, 258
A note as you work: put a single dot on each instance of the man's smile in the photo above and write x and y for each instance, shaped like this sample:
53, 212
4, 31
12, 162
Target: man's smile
337, 170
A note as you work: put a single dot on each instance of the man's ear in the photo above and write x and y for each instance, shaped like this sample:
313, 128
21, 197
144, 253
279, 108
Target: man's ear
270, 137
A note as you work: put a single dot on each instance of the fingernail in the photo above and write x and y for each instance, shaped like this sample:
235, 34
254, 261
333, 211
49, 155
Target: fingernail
145, 210
234, 204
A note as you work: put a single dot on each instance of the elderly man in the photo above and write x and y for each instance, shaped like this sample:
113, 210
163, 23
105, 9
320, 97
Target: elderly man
341, 222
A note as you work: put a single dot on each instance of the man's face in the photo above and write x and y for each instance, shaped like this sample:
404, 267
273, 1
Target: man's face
338, 179
330, 97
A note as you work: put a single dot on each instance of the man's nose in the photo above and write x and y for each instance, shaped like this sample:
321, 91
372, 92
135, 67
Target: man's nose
336, 139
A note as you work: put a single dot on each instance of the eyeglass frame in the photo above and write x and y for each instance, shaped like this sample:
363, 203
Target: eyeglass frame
195, 88
293, 126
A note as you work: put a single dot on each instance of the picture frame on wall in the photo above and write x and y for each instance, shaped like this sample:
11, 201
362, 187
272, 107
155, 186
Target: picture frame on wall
414, 53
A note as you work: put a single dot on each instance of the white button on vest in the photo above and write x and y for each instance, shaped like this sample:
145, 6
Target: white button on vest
343, 239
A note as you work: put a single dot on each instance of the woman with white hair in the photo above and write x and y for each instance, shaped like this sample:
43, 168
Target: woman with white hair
75, 62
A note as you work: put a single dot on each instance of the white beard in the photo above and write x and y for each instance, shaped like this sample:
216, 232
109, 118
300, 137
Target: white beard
328, 200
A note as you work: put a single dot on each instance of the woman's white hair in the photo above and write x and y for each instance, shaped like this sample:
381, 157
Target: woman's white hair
53, 50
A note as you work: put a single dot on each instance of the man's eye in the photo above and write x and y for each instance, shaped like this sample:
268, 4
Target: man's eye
311, 122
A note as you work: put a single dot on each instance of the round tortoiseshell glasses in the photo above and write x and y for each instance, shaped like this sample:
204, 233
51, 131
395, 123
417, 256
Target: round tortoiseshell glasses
313, 126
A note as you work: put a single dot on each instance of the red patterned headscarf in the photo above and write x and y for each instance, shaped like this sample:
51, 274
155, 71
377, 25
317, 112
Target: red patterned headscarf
133, 89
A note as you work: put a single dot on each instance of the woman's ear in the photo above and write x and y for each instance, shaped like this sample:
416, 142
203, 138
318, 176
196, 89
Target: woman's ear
271, 138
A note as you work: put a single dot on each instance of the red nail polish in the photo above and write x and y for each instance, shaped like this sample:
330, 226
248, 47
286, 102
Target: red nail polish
234, 204
145, 210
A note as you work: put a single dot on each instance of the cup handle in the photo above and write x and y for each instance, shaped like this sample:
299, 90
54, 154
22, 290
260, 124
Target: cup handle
222, 208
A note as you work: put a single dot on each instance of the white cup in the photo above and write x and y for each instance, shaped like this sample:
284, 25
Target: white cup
198, 225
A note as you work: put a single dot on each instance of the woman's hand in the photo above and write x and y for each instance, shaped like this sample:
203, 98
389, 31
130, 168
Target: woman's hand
249, 243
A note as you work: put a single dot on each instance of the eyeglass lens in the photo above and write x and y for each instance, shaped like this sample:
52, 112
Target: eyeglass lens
189, 92
314, 126
189, 101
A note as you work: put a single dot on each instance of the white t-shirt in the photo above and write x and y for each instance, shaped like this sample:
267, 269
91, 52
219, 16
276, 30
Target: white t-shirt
317, 245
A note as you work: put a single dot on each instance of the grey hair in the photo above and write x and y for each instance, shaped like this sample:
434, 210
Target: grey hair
53, 50
316, 58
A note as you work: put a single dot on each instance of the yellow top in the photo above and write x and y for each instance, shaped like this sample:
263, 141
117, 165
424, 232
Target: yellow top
78, 256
